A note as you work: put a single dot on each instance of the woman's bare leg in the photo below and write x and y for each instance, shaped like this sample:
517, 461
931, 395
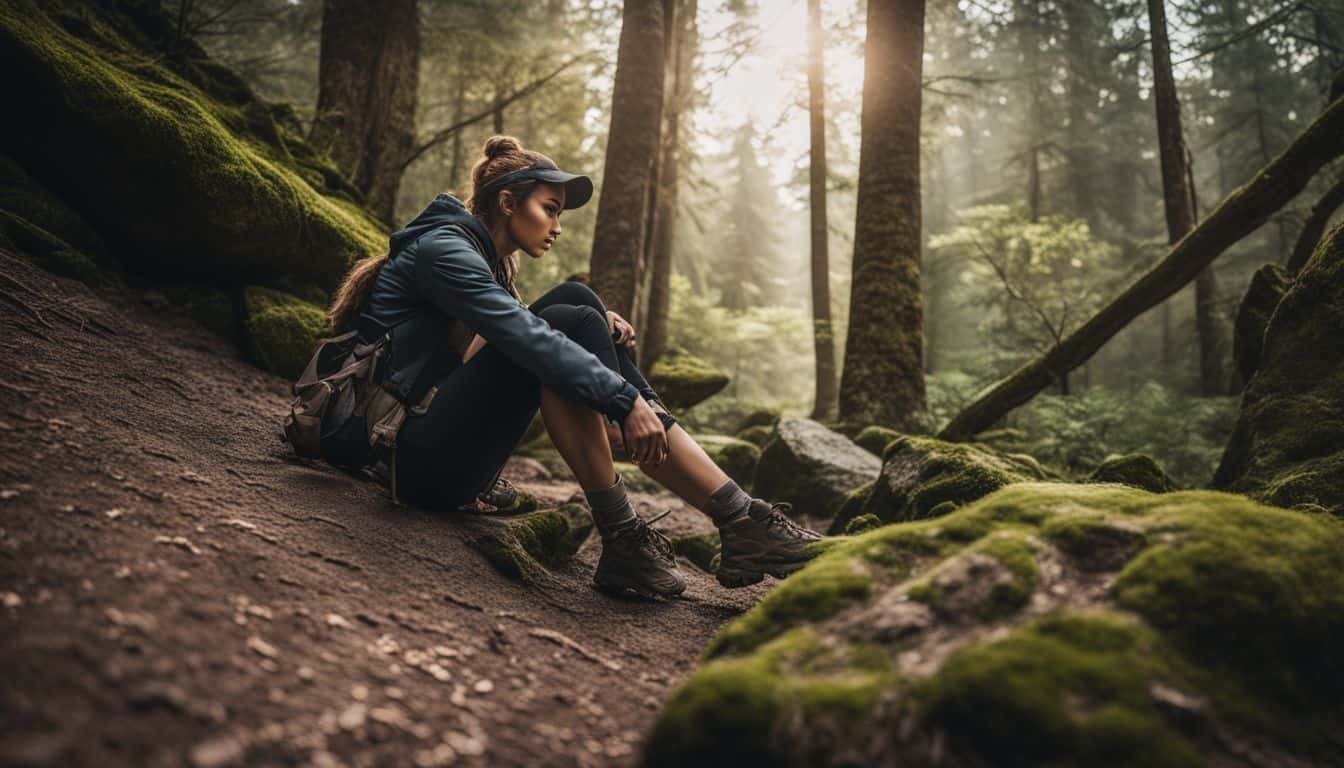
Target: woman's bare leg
687, 471
578, 433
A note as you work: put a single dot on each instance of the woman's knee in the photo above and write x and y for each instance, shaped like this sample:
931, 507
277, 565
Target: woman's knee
584, 324
574, 292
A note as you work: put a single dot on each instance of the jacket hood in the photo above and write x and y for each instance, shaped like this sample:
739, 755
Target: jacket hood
442, 211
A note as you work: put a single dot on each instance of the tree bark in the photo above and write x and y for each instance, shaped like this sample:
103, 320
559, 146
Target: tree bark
368, 75
823, 341
1178, 197
632, 150
665, 216
1239, 214
883, 378
1315, 224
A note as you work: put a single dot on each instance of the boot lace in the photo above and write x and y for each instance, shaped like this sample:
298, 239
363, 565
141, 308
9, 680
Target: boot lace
652, 540
778, 519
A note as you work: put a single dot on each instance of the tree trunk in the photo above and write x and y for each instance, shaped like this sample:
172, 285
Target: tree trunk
823, 341
1239, 214
665, 217
368, 75
632, 150
883, 379
1031, 54
1314, 227
1178, 196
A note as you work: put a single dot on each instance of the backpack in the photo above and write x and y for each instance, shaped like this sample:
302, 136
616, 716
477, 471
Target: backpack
340, 397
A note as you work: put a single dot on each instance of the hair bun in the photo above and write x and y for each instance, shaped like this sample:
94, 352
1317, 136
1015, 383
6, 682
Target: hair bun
496, 146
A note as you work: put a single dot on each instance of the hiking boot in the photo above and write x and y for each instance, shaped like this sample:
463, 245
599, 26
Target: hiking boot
638, 558
765, 541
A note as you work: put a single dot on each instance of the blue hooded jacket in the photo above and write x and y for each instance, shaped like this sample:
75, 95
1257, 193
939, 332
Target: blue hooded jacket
438, 287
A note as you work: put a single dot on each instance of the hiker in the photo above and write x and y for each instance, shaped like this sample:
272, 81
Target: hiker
461, 331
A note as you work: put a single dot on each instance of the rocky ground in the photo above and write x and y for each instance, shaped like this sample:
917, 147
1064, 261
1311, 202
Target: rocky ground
177, 588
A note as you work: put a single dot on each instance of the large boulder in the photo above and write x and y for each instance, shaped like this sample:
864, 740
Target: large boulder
1288, 444
1268, 285
1046, 624
811, 467
922, 477
682, 379
205, 182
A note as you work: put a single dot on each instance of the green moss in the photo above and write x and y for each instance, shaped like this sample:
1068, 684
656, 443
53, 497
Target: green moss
1068, 689
700, 549
1095, 542
526, 546
862, 524
50, 252
962, 589
25, 198
831, 582
758, 435
282, 330
240, 212
682, 380
795, 701
921, 475
212, 308
760, 417
1133, 469
851, 508
876, 439
737, 458
1256, 590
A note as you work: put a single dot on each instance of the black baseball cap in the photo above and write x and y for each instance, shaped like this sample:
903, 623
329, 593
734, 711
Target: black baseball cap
578, 189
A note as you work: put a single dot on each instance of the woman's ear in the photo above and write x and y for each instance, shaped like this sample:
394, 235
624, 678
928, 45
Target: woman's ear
506, 202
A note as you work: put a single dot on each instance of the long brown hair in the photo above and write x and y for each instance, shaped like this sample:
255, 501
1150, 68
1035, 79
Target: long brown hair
500, 155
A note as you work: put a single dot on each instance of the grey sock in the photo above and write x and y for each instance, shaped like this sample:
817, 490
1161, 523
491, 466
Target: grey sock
611, 508
728, 504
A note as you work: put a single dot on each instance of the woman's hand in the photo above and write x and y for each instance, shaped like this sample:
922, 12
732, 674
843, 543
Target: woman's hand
621, 329
643, 435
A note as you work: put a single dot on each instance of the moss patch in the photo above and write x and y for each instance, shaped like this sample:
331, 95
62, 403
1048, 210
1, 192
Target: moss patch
1135, 470
737, 458
758, 435
700, 549
876, 439
282, 330
797, 700
525, 547
682, 380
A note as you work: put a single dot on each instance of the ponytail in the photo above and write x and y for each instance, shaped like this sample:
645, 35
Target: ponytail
349, 300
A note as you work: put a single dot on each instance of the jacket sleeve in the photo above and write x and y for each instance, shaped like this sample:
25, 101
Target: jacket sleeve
454, 277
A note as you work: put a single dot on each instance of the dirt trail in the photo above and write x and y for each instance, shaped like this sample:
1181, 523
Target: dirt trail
176, 588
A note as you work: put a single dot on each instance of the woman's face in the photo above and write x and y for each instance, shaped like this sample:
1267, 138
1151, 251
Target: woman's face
535, 224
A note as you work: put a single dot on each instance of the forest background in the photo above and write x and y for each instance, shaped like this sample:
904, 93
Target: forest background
1039, 170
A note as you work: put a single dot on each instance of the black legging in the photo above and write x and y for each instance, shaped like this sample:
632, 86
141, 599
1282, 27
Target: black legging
448, 454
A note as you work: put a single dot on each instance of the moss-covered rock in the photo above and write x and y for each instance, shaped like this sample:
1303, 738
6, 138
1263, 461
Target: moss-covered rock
737, 458
922, 476
758, 435
1198, 625
812, 468
212, 308
526, 547
700, 548
1268, 285
760, 417
282, 330
876, 439
58, 227
203, 184
1288, 444
49, 251
862, 524
1134, 469
682, 379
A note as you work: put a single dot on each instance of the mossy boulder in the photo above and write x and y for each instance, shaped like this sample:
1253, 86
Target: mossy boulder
203, 183
701, 549
214, 309
282, 330
1134, 469
922, 477
1208, 633
1287, 447
876, 439
758, 435
40, 225
682, 379
737, 458
812, 468
527, 547
48, 251
1268, 285
760, 417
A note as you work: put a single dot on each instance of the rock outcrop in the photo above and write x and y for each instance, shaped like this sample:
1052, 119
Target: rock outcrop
737, 458
1287, 447
811, 467
683, 380
1134, 469
1044, 624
